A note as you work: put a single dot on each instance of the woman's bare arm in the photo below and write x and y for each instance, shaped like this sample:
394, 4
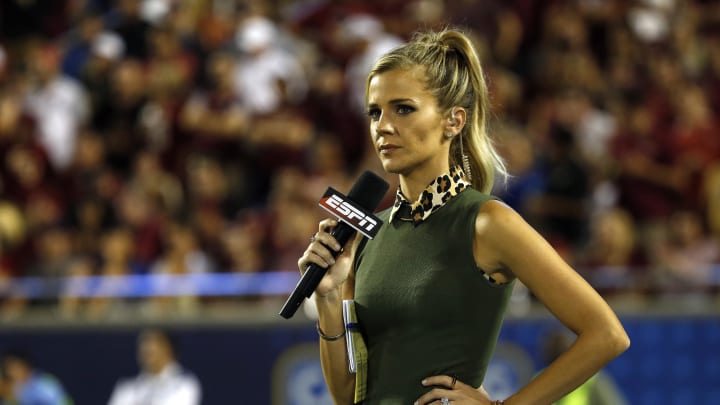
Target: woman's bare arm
337, 284
509, 245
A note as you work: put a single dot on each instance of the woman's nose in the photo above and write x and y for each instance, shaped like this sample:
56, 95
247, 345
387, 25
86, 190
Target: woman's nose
384, 125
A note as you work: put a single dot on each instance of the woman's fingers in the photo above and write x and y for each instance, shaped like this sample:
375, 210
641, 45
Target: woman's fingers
321, 244
444, 385
434, 395
451, 388
317, 259
316, 253
441, 380
326, 240
327, 224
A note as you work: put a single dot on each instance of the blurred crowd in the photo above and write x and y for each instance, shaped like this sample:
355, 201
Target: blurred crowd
196, 136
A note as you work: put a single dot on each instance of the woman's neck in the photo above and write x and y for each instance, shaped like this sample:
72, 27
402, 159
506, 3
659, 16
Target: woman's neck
413, 184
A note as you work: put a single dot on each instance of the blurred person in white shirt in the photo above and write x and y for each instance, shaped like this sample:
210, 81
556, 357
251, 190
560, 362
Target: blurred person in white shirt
162, 381
264, 63
58, 103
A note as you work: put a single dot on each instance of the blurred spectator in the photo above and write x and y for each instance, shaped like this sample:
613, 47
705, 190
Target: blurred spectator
613, 261
73, 301
79, 44
694, 140
88, 164
58, 103
263, 64
27, 173
688, 255
613, 240
711, 195
142, 215
326, 165
106, 50
3, 63
117, 115
245, 243
53, 251
5, 388
647, 182
13, 234
117, 260
506, 89
279, 139
290, 219
213, 185
14, 126
591, 127
181, 255
509, 36
169, 61
126, 20
215, 117
158, 117
330, 111
28, 385
562, 59
162, 381
151, 179
561, 210
526, 181
91, 189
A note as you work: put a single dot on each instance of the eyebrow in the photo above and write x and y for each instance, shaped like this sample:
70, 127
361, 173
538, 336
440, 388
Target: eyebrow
395, 101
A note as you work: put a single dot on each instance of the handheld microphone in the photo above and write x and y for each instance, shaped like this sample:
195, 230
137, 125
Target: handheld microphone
355, 214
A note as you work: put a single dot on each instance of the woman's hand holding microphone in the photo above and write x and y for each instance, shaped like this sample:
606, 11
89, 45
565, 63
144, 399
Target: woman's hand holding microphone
320, 251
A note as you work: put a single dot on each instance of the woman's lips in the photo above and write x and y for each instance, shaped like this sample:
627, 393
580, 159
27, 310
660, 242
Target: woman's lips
388, 148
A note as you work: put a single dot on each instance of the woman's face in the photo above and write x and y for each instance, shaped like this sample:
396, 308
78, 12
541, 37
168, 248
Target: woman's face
405, 124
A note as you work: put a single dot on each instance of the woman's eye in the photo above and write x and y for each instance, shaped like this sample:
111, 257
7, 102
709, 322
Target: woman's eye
374, 114
404, 109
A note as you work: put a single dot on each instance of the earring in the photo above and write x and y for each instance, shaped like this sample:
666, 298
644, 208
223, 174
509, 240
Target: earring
449, 134
465, 161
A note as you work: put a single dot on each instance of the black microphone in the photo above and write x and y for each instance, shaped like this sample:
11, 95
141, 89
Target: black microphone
355, 214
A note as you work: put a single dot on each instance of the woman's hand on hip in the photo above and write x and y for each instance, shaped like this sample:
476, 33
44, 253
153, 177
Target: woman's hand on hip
452, 391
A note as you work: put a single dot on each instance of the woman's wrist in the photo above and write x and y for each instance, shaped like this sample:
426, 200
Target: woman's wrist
329, 310
331, 297
329, 337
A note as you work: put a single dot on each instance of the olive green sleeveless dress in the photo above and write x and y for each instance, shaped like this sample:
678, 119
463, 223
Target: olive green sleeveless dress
423, 306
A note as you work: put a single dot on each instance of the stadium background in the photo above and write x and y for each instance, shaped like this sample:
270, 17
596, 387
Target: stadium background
144, 141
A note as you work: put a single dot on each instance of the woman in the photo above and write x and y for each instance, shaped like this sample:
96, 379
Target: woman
430, 290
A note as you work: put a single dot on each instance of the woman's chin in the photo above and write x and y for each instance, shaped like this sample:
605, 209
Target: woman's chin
391, 167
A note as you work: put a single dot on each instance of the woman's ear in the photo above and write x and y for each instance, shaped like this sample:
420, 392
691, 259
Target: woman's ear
457, 118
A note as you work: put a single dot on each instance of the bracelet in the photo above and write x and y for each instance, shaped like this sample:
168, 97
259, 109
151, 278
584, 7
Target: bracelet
326, 337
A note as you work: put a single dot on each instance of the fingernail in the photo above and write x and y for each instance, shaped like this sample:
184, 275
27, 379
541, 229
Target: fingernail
332, 261
424, 382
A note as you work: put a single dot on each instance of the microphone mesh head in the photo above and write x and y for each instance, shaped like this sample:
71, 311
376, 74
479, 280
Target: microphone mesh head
368, 191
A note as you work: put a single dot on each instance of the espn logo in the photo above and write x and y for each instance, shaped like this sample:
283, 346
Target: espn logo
350, 213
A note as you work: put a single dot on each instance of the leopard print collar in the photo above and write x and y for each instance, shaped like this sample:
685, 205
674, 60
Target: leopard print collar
439, 192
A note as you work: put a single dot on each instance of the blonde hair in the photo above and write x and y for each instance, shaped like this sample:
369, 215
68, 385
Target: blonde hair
454, 76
